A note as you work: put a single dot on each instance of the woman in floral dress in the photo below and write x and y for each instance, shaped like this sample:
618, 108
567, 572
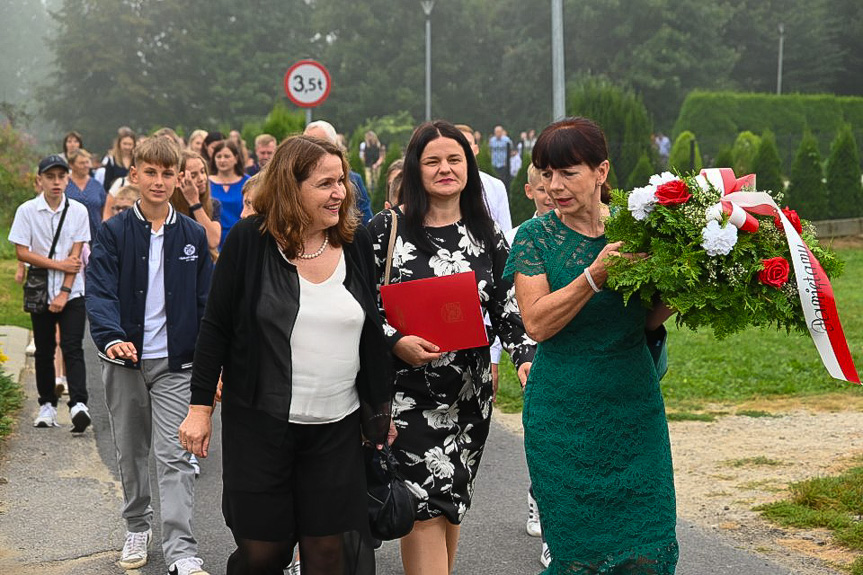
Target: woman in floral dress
442, 405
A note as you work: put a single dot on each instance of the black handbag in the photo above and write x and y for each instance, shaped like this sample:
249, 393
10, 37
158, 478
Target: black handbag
392, 505
36, 284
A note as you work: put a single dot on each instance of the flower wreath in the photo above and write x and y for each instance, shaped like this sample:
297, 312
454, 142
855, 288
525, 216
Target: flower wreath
719, 253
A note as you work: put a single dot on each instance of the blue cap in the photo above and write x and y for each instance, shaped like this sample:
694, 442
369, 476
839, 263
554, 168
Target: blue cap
52, 161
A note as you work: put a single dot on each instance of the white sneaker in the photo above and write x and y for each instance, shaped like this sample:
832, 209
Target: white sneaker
31, 348
545, 557
188, 566
47, 416
193, 460
80, 417
533, 526
135, 549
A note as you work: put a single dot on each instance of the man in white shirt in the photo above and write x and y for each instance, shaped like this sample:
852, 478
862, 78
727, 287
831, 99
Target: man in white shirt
494, 190
51, 219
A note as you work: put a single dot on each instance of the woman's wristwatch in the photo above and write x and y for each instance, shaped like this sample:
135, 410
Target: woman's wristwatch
65, 289
195, 207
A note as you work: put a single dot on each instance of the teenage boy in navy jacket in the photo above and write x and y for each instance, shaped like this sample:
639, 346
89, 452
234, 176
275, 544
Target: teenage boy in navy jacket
147, 284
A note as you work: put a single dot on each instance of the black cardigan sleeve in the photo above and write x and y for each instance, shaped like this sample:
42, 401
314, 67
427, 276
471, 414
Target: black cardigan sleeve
217, 326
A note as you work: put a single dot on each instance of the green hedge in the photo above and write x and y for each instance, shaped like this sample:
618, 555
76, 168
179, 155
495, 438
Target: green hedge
716, 118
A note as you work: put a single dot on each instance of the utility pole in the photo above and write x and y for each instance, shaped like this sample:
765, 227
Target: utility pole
781, 50
558, 85
427, 8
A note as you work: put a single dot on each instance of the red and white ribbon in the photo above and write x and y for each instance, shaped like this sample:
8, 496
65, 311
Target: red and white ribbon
813, 286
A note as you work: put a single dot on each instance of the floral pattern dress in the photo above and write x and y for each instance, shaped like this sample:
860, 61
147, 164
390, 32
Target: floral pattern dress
442, 410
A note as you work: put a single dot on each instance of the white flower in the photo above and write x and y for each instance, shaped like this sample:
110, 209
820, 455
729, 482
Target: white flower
483, 295
389, 330
510, 306
420, 493
465, 242
403, 252
718, 241
402, 403
461, 510
466, 391
438, 463
444, 360
446, 263
663, 178
468, 460
442, 417
641, 202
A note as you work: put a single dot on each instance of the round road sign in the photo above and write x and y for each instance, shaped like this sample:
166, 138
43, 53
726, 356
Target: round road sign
307, 83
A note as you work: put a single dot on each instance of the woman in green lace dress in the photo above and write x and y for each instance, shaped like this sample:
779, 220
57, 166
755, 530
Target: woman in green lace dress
596, 436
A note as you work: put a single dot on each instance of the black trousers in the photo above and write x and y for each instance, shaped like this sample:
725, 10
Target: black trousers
71, 321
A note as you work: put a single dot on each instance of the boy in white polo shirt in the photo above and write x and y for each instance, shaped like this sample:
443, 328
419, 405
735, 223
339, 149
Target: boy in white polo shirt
33, 233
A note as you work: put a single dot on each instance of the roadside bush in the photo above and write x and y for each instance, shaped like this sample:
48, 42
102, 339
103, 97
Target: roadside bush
717, 117
743, 152
280, 123
767, 165
394, 152
520, 207
680, 159
806, 191
845, 192
724, 159
483, 159
18, 161
622, 116
641, 174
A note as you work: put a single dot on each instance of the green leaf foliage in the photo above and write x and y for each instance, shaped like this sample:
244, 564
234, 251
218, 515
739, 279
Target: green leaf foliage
521, 208
845, 192
724, 159
718, 117
766, 165
680, 159
743, 152
807, 192
721, 292
280, 123
621, 115
641, 174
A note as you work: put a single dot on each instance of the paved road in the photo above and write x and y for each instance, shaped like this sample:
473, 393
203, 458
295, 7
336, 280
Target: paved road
60, 503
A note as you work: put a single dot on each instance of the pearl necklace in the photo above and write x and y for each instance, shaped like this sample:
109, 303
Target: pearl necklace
321, 249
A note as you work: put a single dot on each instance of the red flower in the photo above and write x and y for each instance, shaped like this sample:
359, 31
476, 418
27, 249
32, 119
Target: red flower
775, 272
673, 193
792, 217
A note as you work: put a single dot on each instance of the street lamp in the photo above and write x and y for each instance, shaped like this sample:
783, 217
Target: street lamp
781, 49
427, 8
558, 89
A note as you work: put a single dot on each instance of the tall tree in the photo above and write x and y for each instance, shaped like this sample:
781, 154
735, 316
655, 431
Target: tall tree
806, 191
843, 176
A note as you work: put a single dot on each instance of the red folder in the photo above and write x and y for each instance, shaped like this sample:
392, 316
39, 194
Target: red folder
443, 310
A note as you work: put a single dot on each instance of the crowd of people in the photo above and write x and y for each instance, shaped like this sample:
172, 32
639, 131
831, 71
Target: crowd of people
212, 274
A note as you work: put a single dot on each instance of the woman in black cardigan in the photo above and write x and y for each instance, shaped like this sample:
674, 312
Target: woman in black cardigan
293, 328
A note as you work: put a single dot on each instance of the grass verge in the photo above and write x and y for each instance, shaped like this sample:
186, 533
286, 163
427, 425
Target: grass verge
11, 400
754, 364
11, 296
834, 503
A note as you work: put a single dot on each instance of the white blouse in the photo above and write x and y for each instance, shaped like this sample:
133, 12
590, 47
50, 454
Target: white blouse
325, 349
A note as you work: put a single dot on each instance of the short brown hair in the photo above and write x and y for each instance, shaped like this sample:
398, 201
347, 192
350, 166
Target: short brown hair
157, 150
264, 139
278, 198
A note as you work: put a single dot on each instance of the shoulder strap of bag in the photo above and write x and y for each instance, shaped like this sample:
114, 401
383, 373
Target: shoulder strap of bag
59, 227
393, 234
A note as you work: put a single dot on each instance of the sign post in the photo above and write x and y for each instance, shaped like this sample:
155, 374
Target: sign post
307, 84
